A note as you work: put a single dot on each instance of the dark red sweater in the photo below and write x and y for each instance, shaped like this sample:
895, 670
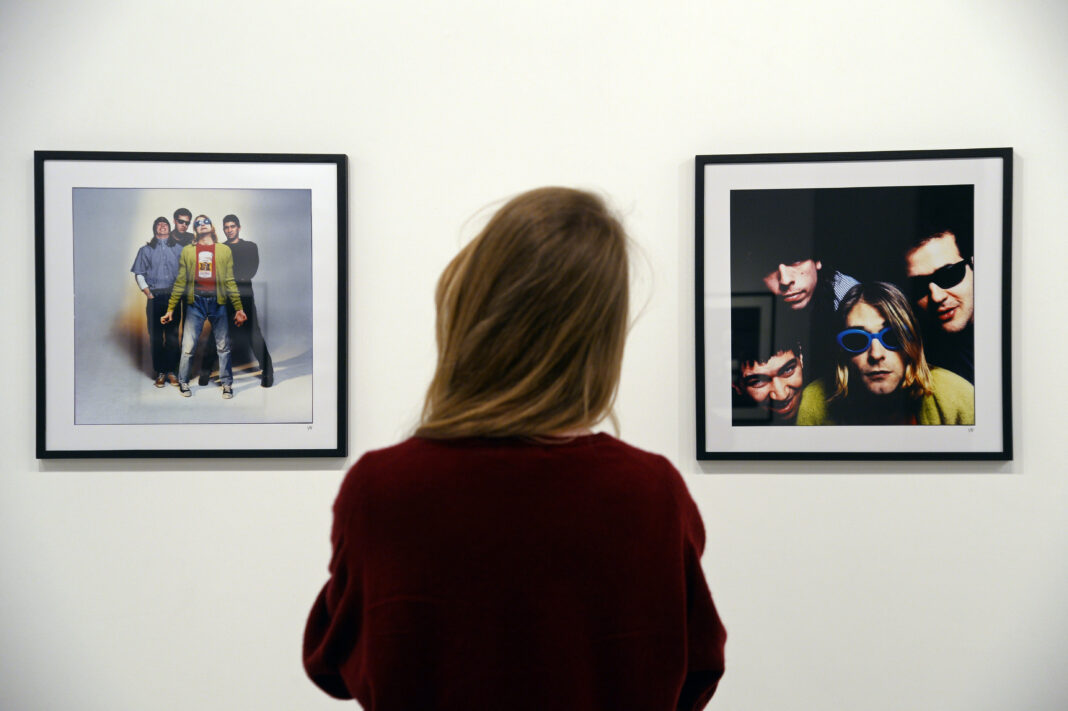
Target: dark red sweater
481, 574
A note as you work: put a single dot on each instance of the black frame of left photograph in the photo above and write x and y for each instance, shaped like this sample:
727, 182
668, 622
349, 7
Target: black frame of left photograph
269, 242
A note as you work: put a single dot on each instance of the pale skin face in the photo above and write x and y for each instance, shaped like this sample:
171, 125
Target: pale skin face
204, 235
951, 308
163, 230
232, 231
181, 223
776, 384
795, 283
879, 369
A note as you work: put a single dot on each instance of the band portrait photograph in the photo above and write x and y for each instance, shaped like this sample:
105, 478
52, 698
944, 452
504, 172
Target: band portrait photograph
192, 306
204, 298
851, 301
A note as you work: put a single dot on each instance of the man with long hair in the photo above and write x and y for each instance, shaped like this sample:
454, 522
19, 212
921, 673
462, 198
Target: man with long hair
205, 282
155, 269
881, 375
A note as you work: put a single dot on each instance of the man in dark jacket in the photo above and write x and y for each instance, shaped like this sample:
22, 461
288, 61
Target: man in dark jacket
250, 336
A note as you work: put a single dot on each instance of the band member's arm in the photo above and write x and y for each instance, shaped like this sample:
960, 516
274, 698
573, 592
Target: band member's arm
229, 283
226, 273
185, 268
139, 268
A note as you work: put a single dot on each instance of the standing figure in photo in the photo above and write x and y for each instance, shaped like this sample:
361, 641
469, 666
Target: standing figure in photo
941, 284
881, 374
181, 233
205, 282
250, 336
155, 268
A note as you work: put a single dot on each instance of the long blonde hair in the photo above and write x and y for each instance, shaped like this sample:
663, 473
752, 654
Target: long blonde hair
888, 300
531, 321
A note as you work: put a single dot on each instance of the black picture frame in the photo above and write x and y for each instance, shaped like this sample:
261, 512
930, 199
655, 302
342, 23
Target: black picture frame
95, 395
863, 212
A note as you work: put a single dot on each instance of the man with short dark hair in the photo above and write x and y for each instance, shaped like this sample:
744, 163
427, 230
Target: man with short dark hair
181, 233
941, 287
767, 373
249, 336
774, 385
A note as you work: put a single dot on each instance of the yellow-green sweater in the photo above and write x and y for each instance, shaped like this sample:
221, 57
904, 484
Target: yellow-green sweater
185, 283
951, 402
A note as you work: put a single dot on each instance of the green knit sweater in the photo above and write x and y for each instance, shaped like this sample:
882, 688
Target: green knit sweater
951, 402
185, 283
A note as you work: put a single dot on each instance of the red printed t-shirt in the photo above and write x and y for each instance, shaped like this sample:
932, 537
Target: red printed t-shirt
205, 267
516, 574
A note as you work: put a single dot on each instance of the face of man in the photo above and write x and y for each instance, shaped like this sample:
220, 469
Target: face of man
181, 222
950, 306
232, 231
163, 230
880, 369
795, 283
203, 230
776, 384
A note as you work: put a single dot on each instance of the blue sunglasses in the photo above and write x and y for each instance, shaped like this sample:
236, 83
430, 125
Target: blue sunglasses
857, 340
202, 221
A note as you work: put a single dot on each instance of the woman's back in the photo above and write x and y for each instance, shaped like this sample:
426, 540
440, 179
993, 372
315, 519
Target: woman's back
513, 574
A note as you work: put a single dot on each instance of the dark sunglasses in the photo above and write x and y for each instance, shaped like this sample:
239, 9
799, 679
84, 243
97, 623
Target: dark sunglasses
201, 222
182, 222
857, 340
945, 277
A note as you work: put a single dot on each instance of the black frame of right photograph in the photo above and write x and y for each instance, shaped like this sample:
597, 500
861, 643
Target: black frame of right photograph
839, 294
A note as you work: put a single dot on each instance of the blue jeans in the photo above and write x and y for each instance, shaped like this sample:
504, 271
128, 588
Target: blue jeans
206, 308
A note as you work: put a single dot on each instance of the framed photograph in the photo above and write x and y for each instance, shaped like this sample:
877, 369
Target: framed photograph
191, 304
842, 299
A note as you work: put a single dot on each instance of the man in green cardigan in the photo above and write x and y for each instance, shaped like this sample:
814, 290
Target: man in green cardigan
205, 282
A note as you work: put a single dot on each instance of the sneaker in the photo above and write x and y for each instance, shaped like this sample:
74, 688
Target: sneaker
228, 392
160, 380
203, 379
172, 379
183, 388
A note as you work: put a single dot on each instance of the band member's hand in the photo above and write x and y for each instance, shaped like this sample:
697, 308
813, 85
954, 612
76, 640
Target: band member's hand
240, 318
167, 317
148, 292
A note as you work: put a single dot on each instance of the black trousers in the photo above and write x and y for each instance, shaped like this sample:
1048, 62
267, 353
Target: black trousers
163, 339
243, 339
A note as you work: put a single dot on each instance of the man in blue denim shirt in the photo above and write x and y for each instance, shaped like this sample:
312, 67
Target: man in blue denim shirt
154, 269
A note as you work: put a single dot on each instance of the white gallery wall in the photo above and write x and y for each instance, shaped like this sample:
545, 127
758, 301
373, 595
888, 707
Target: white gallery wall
178, 585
